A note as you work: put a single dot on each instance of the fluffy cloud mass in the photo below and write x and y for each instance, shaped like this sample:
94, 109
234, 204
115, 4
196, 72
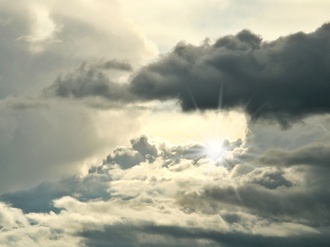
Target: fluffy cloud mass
154, 193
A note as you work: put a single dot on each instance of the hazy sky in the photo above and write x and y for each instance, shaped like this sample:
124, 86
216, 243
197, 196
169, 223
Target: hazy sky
165, 123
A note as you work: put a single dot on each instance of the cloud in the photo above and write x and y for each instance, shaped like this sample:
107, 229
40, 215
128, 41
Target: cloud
41, 39
40, 198
125, 157
174, 199
179, 236
283, 80
89, 81
114, 64
44, 138
11, 217
268, 190
316, 154
20, 103
144, 147
51, 142
271, 178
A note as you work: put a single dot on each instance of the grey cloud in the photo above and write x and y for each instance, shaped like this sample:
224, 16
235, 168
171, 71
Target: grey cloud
141, 150
114, 64
125, 157
309, 206
270, 178
238, 239
87, 81
144, 147
316, 154
283, 80
123, 235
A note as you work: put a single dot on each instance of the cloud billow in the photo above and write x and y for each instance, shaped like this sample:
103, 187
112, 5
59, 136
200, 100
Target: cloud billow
282, 80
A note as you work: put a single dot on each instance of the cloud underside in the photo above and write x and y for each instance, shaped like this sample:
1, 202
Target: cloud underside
282, 80
153, 193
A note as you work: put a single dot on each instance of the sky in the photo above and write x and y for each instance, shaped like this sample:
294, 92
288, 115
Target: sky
165, 123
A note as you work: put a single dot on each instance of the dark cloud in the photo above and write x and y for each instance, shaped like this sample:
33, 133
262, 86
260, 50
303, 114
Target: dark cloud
115, 65
282, 80
271, 179
125, 157
123, 235
145, 148
88, 81
310, 207
316, 154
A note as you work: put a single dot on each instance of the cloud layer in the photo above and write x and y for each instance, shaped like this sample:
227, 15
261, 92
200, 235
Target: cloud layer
154, 193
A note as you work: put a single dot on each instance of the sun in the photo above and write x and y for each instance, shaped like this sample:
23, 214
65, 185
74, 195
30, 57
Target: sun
214, 149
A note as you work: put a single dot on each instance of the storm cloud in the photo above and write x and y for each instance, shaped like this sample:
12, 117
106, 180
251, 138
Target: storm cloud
282, 80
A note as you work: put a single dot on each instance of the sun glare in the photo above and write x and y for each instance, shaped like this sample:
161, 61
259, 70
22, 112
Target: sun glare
214, 149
